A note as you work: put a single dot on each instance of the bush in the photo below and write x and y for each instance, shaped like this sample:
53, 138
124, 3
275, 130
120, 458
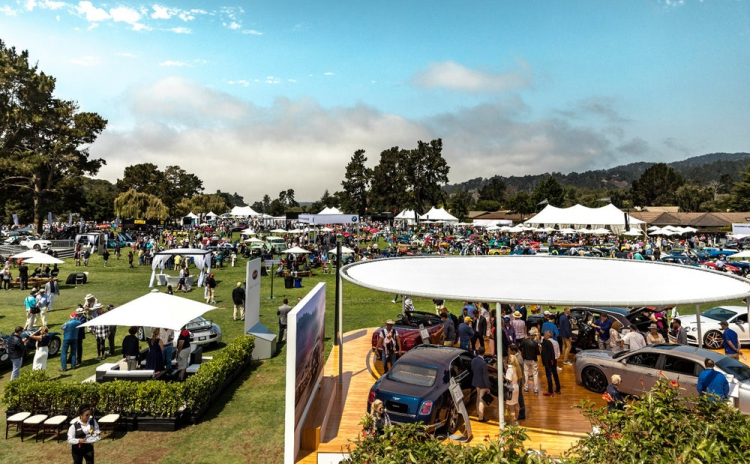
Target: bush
151, 398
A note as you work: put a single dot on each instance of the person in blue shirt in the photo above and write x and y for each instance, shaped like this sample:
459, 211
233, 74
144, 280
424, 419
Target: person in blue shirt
70, 340
470, 309
550, 325
566, 334
731, 341
465, 333
602, 326
711, 382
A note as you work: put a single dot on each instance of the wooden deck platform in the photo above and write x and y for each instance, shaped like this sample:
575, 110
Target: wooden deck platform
552, 423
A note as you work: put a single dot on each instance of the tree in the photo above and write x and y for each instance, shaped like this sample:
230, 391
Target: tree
232, 200
170, 186
740, 196
179, 184
99, 195
690, 198
44, 141
551, 190
266, 204
725, 184
202, 204
326, 201
276, 208
132, 204
487, 205
493, 190
143, 178
388, 190
656, 186
459, 204
521, 204
426, 171
356, 183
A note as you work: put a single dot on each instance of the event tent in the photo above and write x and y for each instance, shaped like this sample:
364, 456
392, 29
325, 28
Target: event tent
243, 211
332, 210
438, 214
202, 259
579, 216
408, 215
153, 310
191, 215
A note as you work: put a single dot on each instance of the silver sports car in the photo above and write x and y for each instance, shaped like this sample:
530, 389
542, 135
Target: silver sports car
640, 369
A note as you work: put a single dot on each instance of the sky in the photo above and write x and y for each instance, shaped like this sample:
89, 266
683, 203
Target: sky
256, 97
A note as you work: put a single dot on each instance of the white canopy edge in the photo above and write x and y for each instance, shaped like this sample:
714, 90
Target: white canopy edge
547, 280
202, 260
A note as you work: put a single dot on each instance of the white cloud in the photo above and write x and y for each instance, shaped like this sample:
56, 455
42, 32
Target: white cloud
181, 30
241, 82
90, 12
453, 76
127, 55
191, 14
8, 11
233, 25
163, 12
127, 15
174, 63
87, 61
328, 74
252, 32
292, 80
30, 4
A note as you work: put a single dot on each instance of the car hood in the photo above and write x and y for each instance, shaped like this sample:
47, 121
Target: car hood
692, 320
404, 389
604, 354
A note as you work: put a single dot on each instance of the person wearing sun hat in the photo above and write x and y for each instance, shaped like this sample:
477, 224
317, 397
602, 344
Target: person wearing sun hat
465, 333
70, 340
389, 345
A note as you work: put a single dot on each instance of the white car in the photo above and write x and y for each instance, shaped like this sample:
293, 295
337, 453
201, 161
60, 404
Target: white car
713, 339
32, 243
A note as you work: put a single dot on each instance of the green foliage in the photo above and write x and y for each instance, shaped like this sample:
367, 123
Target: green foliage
170, 186
551, 190
356, 184
656, 186
151, 398
132, 204
740, 197
665, 427
410, 443
521, 203
388, 188
459, 204
493, 190
426, 171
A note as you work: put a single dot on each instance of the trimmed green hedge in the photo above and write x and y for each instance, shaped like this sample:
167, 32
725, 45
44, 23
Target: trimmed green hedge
151, 398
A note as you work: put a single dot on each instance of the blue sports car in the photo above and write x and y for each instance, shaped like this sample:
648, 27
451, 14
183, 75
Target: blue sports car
416, 387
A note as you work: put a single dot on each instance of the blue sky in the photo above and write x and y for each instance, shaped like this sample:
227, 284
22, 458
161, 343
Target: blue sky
259, 97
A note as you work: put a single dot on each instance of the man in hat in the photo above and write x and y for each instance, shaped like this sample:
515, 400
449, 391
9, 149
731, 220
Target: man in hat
566, 334
389, 345
602, 326
31, 309
88, 302
42, 302
519, 326
238, 298
70, 340
465, 333
731, 341
81, 317
530, 353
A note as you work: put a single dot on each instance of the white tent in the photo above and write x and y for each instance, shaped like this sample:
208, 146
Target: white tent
43, 258
407, 215
345, 250
202, 260
581, 216
633, 232
27, 254
295, 250
243, 211
153, 310
248, 231
332, 210
191, 215
741, 255
438, 214
211, 214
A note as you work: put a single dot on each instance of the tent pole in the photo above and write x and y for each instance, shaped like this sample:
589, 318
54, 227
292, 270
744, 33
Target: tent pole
338, 316
499, 356
698, 319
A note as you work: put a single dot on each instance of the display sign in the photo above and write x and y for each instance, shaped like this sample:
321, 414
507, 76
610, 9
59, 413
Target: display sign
458, 399
252, 294
424, 334
740, 229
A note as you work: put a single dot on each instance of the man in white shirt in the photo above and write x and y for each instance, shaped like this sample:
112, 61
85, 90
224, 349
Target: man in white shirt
633, 340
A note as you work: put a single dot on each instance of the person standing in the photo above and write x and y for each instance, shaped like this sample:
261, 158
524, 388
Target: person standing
654, 337
481, 381
211, 289
389, 345
602, 326
731, 341
550, 364
530, 354
566, 334
155, 357
42, 302
131, 348
86, 256
680, 334
465, 333
238, 298
549, 324
6, 276
31, 309
101, 334
130, 258
183, 352
513, 375
81, 316
167, 340
381, 418
70, 340
519, 326
712, 382
479, 324
105, 256
449, 330
83, 432
42, 348
16, 351
615, 339
53, 291
23, 275
282, 313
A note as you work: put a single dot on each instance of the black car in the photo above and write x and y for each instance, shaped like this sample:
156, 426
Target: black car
415, 389
54, 345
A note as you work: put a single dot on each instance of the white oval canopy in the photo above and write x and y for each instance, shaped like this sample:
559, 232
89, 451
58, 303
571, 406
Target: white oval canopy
556, 280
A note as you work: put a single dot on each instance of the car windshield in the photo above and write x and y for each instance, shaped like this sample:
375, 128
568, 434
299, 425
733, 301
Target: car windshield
731, 366
413, 374
719, 314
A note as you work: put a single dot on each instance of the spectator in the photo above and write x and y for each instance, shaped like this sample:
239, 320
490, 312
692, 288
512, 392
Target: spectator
42, 348
712, 382
680, 334
16, 351
389, 345
70, 340
465, 333
602, 326
31, 310
566, 335
481, 381
449, 330
167, 340
131, 348
530, 354
731, 341
183, 352
634, 339
615, 400
654, 337
550, 364
238, 298
211, 289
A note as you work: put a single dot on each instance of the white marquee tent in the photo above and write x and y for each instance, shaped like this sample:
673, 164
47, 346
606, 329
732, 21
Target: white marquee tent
438, 214
408, 215
243, 211
580, 216
332, 210
153, 310
202, 259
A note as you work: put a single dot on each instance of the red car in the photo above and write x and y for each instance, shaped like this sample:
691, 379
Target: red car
727, 268
407, 328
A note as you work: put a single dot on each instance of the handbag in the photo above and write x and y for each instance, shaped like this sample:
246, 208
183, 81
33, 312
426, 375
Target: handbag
507, 390
487, 398
35, 310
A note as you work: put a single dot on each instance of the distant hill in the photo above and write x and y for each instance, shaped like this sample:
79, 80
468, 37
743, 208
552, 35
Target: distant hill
701, 170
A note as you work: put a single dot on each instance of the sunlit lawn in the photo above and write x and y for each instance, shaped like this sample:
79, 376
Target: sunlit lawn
247, 424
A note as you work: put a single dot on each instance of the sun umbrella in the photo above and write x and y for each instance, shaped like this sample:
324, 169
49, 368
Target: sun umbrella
633, 233
344, 251
253, 240
295, 250
27, 254
600, 231
43, 258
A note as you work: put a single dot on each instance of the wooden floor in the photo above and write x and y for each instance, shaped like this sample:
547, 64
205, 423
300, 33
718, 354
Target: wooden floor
551, 422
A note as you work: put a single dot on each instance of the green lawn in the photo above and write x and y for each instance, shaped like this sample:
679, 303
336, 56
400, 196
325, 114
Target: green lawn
247, 425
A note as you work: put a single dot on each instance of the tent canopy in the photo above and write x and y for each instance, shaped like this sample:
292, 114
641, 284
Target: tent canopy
295, 250
191, 215
438, 214
153, 310
43, 258
580, 216
407, 215
332, 210
243, 211
202, 260
464, 278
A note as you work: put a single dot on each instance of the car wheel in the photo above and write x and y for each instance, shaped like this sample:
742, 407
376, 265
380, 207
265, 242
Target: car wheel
594, 379
37, 247
713, 340
454, 420
54, 346
141, 334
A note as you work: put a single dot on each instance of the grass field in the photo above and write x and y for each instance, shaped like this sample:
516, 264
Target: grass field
247, 424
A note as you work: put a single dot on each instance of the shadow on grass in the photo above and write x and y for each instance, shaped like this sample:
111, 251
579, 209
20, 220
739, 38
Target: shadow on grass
218, 406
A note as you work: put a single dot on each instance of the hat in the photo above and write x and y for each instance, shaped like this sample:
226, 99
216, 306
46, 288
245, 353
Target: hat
547, 313
389, 322
33, 291
110, 306
506, 319
533, 331
88, 297
517, 315
73, 315
467, 319
41, 290
97, 306
652, 327
79, 310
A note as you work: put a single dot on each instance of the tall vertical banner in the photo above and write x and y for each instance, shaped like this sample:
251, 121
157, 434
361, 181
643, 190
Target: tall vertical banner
252, 294
15, 219
49, 218
304, 365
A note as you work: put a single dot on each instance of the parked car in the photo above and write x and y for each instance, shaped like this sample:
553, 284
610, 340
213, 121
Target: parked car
407, 328
55, 343
415, 389
725, 268
679, 259
202, 332
736, 316
717, 252
640, 369
32, 243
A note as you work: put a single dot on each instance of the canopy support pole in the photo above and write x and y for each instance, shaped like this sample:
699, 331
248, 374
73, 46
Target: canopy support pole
698, 320
339, 315
499, 356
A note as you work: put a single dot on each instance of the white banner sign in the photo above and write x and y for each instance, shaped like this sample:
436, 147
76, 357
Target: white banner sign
252, 294
741, 229
329, 218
